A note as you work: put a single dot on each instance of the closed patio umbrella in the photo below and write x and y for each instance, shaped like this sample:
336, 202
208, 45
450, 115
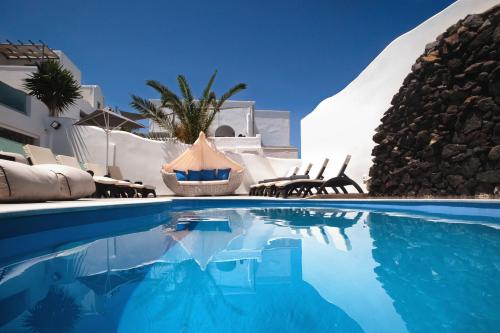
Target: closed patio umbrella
107, 120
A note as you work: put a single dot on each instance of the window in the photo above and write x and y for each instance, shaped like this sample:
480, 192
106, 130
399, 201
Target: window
13, 98
16, 136
224, 131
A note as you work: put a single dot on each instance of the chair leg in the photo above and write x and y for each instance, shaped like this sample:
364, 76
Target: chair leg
146, 192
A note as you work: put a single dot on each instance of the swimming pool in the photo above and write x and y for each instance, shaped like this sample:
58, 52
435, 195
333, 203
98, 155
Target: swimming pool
254, 266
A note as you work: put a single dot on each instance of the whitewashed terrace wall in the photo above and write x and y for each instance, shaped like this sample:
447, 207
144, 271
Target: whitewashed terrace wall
345, 123
142, 159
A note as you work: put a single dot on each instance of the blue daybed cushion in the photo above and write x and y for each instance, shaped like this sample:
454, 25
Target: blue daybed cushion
208, 174
181, 175
194, 175
223, 174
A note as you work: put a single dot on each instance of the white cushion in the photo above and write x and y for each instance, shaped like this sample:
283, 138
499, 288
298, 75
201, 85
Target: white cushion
150, 187
104, 180
17, 157
122, 183
97, 169
80, 182
139, 186
22, 182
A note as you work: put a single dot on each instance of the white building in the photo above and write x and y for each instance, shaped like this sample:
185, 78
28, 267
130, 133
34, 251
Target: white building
238, 127
24, 118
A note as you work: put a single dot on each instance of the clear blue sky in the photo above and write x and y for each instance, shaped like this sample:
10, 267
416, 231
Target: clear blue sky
292, 54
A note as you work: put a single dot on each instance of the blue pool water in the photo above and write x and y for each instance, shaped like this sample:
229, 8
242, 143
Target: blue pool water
250, 269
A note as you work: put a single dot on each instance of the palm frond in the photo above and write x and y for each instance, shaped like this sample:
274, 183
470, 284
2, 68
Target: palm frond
185, 89
231, 92
151, 111
188, 117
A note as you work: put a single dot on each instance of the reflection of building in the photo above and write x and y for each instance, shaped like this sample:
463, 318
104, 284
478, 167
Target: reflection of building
24, 118
239, 127
252, 281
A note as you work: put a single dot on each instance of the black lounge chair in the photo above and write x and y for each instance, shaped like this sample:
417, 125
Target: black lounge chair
261, 188
275, 189
302, 188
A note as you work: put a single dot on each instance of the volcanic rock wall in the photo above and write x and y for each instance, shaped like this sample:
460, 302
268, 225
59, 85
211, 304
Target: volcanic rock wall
441, 136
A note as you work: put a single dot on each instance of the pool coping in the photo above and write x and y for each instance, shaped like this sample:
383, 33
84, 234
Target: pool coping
43, 208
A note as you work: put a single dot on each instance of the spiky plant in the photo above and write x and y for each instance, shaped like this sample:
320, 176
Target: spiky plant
189, 116
54, 85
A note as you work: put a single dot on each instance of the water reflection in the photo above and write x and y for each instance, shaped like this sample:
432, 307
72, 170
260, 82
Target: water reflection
270, 269
448, 271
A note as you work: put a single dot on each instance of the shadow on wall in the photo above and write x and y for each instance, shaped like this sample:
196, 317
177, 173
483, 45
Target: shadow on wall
75, 138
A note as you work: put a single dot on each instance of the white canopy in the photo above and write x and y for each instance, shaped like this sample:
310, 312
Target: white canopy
202, 155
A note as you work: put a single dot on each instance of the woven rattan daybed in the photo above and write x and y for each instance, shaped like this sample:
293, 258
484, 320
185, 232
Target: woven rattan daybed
202, 156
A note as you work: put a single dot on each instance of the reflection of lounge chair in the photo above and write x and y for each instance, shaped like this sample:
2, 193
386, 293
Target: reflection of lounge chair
326, 225
262, 187
305, 187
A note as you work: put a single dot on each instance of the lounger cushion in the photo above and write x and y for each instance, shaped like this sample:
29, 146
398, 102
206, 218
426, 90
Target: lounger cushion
80, 182
123, 183
97, 169
137, 186
223, 174
22, 183
104, 180
13, 157
181, 175
208, 175
194, 175
150, 187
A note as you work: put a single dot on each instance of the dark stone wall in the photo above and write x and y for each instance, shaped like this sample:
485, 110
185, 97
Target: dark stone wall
441, 136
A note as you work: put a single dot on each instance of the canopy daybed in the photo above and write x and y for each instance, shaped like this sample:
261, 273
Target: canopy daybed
202, 156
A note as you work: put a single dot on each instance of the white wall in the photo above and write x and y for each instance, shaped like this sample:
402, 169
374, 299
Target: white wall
345, 123
92, 95
281, 152
142, 159
14, 75
66, 62
274, 126
237, 115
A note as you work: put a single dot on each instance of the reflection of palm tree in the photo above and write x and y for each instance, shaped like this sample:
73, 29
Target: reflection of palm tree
57, 312
186, 286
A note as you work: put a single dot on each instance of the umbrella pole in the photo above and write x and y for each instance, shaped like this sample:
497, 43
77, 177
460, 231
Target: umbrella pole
107, 149
106, 122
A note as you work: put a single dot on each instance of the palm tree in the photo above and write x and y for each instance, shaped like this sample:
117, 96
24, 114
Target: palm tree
54, 86
57, 312
189, 116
